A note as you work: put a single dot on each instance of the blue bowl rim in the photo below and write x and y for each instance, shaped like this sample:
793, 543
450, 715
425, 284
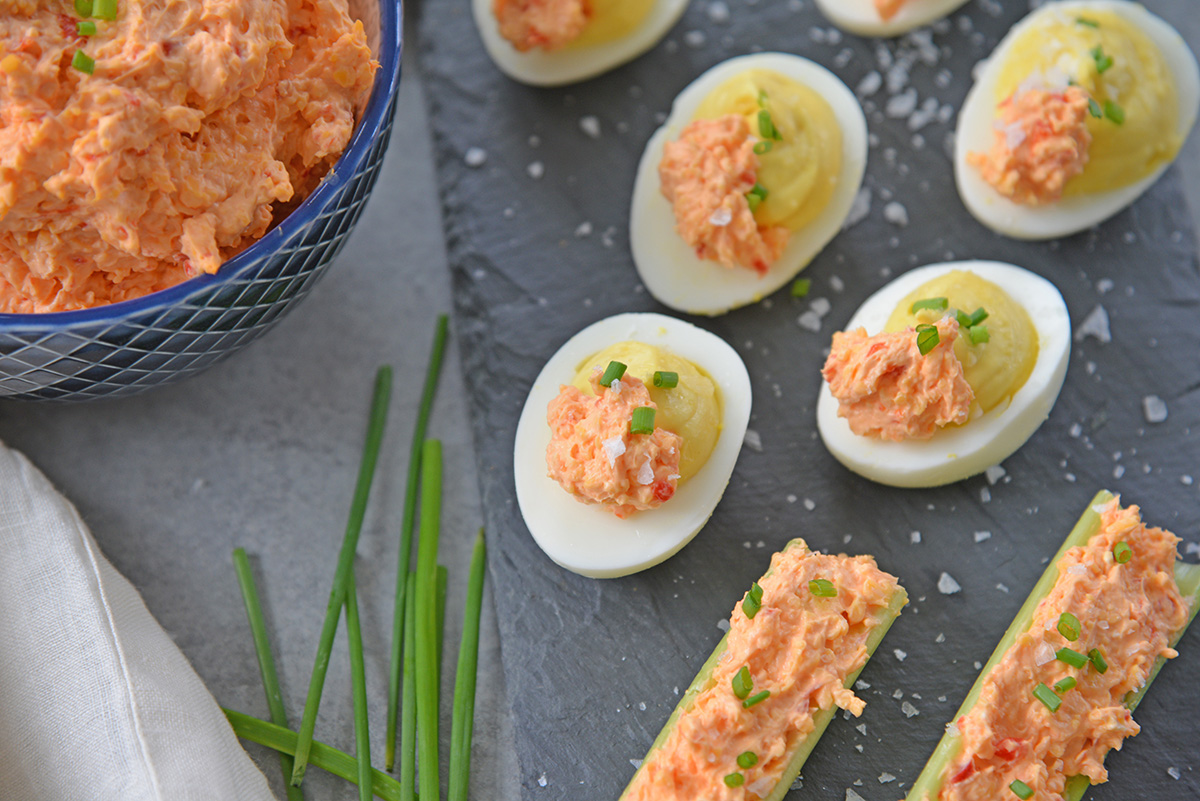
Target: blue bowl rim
373, 120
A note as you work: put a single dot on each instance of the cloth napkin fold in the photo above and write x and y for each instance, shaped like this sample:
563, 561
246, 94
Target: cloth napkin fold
96, 702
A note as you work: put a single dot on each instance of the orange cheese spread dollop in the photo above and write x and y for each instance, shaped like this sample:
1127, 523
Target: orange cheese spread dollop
548, 24
200, 118
1041, 142
706, 175
886, 388
799, 647
888, 8
1130, 612
593, 455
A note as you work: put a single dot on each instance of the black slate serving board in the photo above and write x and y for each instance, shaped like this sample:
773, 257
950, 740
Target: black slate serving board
537, 237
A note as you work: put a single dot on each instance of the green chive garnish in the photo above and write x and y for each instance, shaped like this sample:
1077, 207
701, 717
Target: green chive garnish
1047, 697
735, 780
979, 334
747, 759
1021, 789
1062, 685
666, 379
1091, 23
963, 318
757, 698
1094, 108
766, 126
978, 316
85, 28
1122, 552
1103, 62
762, 147
1114, 112
1071, 657
83, 62
642, 421
1068, 626
753, 600
742, 683
937, 304
756, 196
1097, 659
762, 98
611, 373
927, 338
83, 8
822, 588
105, 9
800, 287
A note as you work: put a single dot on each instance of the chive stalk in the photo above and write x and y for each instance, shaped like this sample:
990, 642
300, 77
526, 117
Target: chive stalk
432, 371
932, 304
1021, 790
734, 780
266, 662
337, 595
358, 690
1097, 660
1047, 697
1065, 684
426, 646
463, 715
408, 708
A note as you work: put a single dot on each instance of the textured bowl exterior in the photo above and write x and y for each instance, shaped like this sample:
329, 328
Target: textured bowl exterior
127, 347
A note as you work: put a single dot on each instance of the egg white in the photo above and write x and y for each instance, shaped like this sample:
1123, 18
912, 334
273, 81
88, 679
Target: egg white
955, 453
860, 16
975, 133
555, 68
668, 267
585, 538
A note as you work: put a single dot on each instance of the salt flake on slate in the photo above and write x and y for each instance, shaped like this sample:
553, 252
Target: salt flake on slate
810, 321
541, 780
896, 214
1095, 325
900, 655
752, 440
695, 38
809, 504
853, 796
901, 105
947, 585
869, 85
1173, 772
723, 624
475, 157
886, 777
637, 763
590, 125
1002, 587
909, 710
915, 538
1154, 408
536, 170
981, 536
718, 11
583, 229
994, 474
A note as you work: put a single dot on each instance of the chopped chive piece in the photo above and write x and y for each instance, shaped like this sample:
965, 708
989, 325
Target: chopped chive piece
642, 421
1047, 697
735, 780
979, 334
822, 588
764, 146
1021, 790
757, 698
1097, 659
1122, 552
1114, 112
1103, 62
800, 287
753, 600
1062, 685
85, 28
1094, 108
105, 9
927, 338
742, 683
747, 759
611, 373
978, 316
666, 379
756, 196
1068, 626
1091, 23
752, 201
83, 8
963, 318
937, 304
766, 126
1071, 657
83, 62
762, 97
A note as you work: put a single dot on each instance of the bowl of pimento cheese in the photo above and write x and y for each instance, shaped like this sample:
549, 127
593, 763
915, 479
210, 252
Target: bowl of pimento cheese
175, 175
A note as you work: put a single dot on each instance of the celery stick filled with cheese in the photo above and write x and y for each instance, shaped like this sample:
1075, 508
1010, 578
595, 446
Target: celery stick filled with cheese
797, 641
1061, 687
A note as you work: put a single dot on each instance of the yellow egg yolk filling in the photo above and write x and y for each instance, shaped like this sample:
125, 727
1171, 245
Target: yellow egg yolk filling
801, 167
692, 409
997, 368
1124, 73
611, 20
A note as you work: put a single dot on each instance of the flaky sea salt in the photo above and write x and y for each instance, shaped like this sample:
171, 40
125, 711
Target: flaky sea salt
1095, 325
1154, 409
721, 217
475, 157
980, 536
1043, 654
645, 475
752, 440
947, 585
613, 448
994, 474
886, 777
915, 538
909, 710
590, 125
853, 796
869, 85
718, 11
900, 655
536, 170
896, 214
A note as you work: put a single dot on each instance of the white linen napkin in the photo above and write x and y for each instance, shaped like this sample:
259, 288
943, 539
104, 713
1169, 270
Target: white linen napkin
96, 702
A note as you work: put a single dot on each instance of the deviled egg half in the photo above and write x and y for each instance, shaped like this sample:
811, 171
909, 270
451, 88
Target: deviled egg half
627, 441
999, 361
885, 17
751, 175
556, 42
1080, 108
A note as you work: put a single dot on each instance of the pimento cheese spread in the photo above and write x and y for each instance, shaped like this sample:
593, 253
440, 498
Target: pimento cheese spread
548, 24
1129, 612
706, 175
801, 648
200, 120
593, 455
1041, 142
886, 388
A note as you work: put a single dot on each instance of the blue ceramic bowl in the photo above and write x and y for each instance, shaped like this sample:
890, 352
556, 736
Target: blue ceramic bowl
126, 347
